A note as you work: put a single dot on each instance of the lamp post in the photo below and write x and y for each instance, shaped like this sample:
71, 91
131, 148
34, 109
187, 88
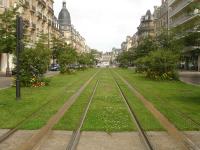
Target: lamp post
19, 48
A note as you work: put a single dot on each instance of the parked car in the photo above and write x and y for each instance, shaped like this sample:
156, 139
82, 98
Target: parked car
54, 67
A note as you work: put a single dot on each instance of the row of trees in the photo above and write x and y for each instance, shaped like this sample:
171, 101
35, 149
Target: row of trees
34, 61
157, 57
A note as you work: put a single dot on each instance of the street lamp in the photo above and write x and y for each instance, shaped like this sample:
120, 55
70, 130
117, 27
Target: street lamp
19, 48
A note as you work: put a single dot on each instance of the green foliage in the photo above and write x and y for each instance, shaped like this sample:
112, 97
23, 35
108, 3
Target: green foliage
7, 31
34, 63
66, 57
57, 46
145, 47
86, 60
160, 64
126, 59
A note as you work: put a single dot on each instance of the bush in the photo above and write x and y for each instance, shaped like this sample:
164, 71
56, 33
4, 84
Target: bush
160, 65
33, 64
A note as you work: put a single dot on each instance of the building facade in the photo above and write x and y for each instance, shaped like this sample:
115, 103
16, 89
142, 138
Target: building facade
38, 17
161, 21
71, 35
146, 28
184, 16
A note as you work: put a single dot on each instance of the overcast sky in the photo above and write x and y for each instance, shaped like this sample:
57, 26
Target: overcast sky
106, 23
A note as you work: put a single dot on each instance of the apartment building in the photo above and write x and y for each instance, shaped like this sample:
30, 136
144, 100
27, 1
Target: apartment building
146, 27
161, 21
135, 40
38, 17
184, 15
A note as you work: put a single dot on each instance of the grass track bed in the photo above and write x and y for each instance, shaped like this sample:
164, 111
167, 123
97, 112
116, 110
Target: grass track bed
169, 97
108, 112
12, 112
147, 120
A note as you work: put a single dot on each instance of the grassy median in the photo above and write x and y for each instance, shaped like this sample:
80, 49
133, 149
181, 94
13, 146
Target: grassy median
60, 89
174, 99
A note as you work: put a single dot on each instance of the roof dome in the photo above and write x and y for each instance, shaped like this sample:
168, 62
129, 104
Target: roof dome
64, 18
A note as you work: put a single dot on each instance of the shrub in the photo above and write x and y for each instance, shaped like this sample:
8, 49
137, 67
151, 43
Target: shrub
33, 64
160, 65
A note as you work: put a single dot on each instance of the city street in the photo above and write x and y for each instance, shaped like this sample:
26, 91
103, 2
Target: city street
100, 75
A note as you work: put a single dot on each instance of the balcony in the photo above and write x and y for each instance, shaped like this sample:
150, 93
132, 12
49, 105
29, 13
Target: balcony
39, 15
44, 18
50, 10
49, 22
180, 6
33, 26
147, 28
33, 9
184, 19
42, 2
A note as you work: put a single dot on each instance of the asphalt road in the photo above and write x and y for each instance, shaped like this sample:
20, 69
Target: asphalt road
190, 77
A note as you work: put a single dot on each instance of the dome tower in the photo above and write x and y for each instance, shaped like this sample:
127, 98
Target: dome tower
64, 18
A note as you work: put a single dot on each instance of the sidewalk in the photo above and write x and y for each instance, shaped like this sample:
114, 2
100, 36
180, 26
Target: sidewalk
5, 82
190, 77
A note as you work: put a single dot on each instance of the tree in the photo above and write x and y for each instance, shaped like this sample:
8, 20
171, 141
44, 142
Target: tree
66, 57
57, 46
8, 33
126, 59
34, 62
86, 59
160, 64
159, 58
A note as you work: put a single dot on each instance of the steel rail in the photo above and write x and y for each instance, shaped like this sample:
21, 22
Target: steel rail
6, 135
135, 119
186, 142
38, 138
73, 143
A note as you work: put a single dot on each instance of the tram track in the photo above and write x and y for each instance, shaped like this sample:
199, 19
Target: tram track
72, 145
186, 143
42, 133
143, 134
10, 132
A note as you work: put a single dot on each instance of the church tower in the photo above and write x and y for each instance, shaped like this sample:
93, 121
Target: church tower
64, 18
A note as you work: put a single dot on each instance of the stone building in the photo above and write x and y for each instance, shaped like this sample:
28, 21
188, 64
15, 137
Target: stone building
185, 18
146, 27
135, 40
71, 35
125, 46
161, 17
38, 17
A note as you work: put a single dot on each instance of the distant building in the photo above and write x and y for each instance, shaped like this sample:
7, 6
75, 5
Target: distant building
146, 28
135, 41
105, 60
